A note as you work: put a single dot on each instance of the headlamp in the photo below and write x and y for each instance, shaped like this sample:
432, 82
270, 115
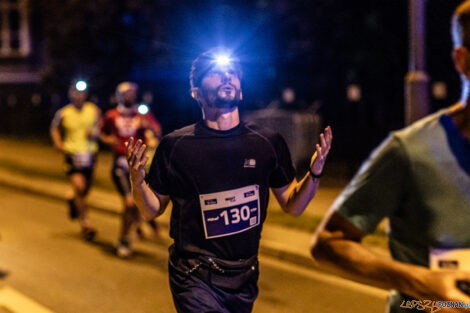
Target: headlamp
217, 57
222, 60
143, 109
81, 85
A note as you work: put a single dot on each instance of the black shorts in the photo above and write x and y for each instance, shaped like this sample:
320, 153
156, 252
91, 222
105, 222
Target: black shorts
120, 174
206, 284
83, 163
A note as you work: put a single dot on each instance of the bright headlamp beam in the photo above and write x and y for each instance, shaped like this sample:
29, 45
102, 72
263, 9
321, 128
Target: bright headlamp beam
222, 60
81, 85
143, 109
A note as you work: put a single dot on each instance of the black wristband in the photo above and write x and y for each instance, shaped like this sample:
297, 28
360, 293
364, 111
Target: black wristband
313, 174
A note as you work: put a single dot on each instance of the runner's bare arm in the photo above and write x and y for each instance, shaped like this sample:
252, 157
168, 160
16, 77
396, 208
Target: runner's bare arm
337, 247
111, 140
94, 133
295, 197
150, 203
106, 134
54, 131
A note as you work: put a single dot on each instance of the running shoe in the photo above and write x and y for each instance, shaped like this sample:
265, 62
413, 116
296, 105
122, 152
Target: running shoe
3, 274
123, 249
88, 233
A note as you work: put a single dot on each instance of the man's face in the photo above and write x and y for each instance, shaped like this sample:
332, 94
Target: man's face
77, 97
129, 97
220, 88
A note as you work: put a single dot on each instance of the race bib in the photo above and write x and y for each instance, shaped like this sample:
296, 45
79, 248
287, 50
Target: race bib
82, 160
454, 259
230, 212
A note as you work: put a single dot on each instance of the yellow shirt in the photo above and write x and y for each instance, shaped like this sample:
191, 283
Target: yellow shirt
78, 126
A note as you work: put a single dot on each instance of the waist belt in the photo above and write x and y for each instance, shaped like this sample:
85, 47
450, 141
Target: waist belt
226, 274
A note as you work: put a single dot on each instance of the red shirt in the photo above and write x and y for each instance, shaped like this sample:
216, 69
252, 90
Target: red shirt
125, 122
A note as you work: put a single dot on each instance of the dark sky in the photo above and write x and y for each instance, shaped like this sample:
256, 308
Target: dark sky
317, 47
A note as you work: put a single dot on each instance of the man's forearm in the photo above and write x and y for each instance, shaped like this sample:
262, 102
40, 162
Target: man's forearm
352, 260
301, 194
107, 139
56, 138
147, 201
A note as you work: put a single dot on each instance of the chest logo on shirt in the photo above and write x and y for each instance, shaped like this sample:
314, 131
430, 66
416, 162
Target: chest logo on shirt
249, 163
230, 212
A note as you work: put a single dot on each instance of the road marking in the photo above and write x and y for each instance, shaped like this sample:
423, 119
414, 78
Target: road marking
16, 302
324, 278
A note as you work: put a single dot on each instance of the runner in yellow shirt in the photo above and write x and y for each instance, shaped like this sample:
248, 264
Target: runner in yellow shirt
74, 131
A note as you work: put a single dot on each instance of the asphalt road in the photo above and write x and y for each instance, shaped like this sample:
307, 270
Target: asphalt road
49, 264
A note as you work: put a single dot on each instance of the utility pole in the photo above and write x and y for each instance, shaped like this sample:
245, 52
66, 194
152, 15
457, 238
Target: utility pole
417, 79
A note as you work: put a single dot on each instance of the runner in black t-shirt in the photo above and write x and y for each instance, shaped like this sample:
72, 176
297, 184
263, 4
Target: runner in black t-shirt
217, 174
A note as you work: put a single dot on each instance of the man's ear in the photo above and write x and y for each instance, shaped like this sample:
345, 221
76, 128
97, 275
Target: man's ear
241, 96
461, 57
194, 93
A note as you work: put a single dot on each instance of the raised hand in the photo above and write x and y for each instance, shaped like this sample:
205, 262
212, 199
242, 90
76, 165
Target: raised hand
136, 160
319, 157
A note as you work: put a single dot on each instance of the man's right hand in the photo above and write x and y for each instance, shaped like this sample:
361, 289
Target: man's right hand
337, 247
136, 160
442, 286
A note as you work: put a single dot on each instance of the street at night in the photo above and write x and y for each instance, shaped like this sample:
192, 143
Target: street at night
285, 156
49, 263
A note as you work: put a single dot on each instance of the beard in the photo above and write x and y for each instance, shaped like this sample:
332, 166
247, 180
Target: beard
128, 104
219, 99
224, 102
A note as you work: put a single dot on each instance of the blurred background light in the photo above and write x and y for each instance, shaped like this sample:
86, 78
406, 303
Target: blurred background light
439, 90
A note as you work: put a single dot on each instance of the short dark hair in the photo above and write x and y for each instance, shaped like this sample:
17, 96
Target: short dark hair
460, 25
205, 62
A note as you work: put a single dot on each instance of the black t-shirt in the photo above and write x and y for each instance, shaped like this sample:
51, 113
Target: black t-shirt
218, 182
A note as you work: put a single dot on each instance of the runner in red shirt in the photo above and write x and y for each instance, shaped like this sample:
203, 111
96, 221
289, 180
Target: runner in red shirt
118, 125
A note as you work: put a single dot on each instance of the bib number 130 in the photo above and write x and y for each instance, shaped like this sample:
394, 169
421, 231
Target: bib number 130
230, 212
236, 215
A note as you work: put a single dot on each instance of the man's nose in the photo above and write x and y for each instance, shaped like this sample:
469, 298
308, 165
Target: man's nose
226, 77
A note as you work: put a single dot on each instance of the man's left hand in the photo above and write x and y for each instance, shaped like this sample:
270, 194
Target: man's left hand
322, 149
